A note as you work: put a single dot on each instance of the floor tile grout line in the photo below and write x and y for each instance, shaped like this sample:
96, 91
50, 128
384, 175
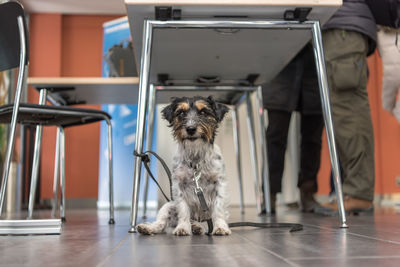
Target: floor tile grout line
374, 238
113, 251
269, 251
347, 258
359, 235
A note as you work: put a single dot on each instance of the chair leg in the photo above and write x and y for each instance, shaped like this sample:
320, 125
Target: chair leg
7, 163
35, 170
13, 125
236, 139
62, 171
56, 175
110, 170
36, 158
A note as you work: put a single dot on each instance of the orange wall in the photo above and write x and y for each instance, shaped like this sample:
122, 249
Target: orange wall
387, 139
68, 46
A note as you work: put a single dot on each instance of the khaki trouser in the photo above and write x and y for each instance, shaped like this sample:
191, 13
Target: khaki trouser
345, 55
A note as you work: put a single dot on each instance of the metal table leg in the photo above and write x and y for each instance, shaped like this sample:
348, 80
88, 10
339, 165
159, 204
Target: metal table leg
236, 138
110, 172
253, 152
62, 172
142, 100
263, 144
326, 109
149, 141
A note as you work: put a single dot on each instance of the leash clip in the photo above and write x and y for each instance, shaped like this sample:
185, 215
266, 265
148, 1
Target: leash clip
199, 192
145, 158
196, 178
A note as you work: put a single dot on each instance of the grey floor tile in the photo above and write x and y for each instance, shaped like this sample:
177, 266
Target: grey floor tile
330, 244
164, 250
88, 240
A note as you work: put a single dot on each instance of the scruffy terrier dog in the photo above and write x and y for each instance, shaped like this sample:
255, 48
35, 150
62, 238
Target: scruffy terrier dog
194, 122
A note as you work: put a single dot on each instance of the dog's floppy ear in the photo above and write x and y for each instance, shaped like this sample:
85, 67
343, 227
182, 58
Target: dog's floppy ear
220, 109
168, 111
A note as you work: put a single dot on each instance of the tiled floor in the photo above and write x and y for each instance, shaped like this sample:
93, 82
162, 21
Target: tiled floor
87, 240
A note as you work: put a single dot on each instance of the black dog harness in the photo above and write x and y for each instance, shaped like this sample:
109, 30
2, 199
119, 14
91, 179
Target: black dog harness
199, 192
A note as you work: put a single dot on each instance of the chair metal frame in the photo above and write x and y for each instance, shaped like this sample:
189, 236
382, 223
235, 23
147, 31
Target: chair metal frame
51, 226
59, 168
11, 142
313, 26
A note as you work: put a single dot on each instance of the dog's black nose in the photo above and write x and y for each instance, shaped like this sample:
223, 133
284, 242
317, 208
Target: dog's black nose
191, 130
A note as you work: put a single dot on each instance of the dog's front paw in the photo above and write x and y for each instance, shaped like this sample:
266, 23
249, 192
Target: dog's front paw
144, 229
182, 230
222, 231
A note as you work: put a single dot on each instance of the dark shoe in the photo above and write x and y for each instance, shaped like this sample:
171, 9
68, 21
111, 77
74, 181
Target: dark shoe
308, 202
273, 205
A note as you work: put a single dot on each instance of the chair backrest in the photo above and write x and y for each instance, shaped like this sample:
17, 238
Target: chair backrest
10, 45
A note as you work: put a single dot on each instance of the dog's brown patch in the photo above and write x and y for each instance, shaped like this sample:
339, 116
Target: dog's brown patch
201, 105
182, 106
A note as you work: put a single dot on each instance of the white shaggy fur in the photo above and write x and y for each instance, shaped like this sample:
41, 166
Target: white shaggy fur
184, 212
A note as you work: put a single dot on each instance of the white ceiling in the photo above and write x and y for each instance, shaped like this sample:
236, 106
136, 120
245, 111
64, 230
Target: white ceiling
99, 7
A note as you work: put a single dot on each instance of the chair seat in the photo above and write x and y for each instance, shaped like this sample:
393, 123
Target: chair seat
33, 114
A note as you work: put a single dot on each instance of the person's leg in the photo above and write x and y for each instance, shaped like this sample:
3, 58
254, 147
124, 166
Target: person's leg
311, 131
277, 133
310, 158
347, 76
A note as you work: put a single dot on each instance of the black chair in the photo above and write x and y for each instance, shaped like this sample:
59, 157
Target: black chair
14, 53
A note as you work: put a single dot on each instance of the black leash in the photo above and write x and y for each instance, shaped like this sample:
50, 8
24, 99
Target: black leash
294, 227
146, 162
199, 192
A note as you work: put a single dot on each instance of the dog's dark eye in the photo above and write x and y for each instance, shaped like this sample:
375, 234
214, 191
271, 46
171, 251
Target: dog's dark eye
180, 112
203, 112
